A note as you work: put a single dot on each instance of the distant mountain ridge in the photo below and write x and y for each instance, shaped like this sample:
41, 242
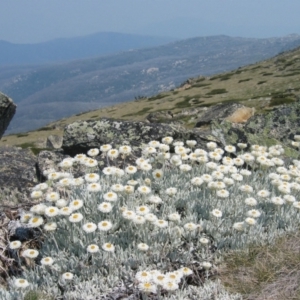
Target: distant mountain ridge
47, 93
66, 49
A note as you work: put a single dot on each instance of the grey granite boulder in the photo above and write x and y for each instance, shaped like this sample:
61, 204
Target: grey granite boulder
17, 175
278, 126
81, 136
54, 141
7, 111
234, 112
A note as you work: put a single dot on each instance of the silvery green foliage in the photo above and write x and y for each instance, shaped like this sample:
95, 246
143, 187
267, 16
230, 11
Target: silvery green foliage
171, 247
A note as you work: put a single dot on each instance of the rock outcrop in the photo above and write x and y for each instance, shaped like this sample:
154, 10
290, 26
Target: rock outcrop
7, 111
233, 112
81, 136
18, 175
278, 126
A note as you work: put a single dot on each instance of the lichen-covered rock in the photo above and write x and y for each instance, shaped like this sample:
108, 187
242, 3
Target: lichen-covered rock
47, 160
54, 141
17, 174
276, 127
233, 112
159, 117
81, 136
7, 111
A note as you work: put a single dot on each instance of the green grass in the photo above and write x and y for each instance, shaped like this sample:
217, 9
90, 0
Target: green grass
20, 135
159, 96
139, 113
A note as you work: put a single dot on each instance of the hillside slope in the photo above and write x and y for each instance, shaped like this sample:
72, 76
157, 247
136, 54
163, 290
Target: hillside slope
262, 86
52, 92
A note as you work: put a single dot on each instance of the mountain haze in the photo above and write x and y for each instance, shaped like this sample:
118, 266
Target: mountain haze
48, 93
66, 49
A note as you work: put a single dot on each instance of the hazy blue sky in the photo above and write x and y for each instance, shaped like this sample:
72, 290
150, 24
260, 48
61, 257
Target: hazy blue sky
30, 21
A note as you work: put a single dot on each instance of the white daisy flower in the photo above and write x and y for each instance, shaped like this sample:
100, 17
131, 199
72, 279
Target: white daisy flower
50, 226
15, 245
35, 221
110, 196
93, 152
75, 218
30, 253
47, 261
190, 226
197, 181
36, 194
142, 210
128, 189
90, 163
104, 225
61, 203
65, 211
125, 149
171, 191
76, 204
91, 177
94, 187
239, 226
105, 207
250, 201
92, 248
128, 214
130, 169
52, 197
161, 223
105, 148
108, 247
167, 140
217, 213
144, 190
250, 221
21, 283
67, 276
143, 247
143, 276
170, 286
155, 199
89, 227
139, 220
253, 213
151, 218
174, 217
117, 187
157, 174
51, 211
230, 149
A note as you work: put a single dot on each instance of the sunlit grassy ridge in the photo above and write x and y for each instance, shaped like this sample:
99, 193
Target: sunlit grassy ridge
262, 86
159, 227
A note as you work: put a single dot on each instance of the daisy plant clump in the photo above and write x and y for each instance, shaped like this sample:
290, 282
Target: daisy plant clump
159, 226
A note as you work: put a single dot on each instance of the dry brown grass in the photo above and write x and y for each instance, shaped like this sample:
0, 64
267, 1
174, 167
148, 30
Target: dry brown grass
241, 115
265, 273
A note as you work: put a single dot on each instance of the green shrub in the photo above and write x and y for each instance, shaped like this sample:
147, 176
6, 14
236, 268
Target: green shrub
281, 100
217, 92
243, 80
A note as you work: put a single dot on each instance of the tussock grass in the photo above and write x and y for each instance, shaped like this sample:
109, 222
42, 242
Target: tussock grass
265, 272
